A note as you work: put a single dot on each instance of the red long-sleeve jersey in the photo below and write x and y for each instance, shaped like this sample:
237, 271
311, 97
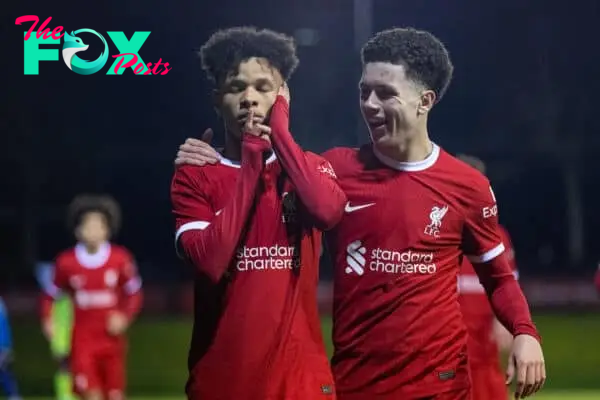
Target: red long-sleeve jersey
98, 283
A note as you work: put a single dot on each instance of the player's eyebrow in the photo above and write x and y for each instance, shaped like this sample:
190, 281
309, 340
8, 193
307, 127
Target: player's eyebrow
376, 85
264, 81
239, 82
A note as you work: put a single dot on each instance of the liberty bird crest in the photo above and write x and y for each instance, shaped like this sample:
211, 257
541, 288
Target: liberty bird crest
436, 215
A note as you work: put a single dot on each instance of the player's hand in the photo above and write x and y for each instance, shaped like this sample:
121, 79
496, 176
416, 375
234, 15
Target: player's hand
254, 126
198, 152
279, 120
48, 329
117, 323
526, 364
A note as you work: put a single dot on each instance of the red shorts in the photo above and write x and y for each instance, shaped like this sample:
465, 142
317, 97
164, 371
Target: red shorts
488, 383
101, 369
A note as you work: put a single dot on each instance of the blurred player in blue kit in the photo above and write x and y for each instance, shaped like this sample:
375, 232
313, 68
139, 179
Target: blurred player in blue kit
7, 379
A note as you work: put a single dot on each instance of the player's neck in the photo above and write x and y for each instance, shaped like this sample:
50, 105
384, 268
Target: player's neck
92, 248
413, 149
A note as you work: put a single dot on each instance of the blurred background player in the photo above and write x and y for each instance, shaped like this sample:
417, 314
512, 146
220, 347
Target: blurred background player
487, 336
7, 379
58, 332
102, 280
597, 278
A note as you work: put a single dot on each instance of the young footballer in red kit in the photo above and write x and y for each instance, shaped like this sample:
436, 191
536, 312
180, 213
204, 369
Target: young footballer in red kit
250, 226
413, 213
102, 279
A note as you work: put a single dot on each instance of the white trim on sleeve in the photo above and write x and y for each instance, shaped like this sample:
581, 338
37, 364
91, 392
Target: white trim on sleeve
488, 255
133, 285
190, 226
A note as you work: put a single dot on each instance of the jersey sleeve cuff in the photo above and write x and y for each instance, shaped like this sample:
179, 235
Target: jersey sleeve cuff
133, 285
189, 226
488, 255
52, 290
528, 330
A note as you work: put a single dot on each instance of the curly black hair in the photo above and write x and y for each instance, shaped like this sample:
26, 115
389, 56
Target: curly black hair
227, 48
424, 56
103, 204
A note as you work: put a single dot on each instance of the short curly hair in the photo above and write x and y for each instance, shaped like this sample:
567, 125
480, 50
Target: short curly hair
226, 49
103, 204
424, 56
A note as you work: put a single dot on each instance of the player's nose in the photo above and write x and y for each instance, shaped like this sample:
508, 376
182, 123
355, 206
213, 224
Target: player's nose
370, 106
249, 98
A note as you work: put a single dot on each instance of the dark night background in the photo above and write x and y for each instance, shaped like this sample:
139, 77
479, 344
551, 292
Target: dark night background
523, 98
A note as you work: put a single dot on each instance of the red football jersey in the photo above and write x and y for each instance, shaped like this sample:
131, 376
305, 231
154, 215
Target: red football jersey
597, 279
477, 311
398, 330
257, 331
98, 284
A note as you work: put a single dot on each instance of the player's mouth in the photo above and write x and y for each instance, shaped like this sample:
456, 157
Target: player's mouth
377, 125
243, 116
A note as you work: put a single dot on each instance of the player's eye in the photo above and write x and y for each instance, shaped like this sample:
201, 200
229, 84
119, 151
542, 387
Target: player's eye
364, 94
265, 88
385, 94
235, 88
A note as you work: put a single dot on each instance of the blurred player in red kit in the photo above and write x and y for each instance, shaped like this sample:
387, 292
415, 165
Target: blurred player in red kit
102, 279
487, 336
413, 212
597, 279
250, 226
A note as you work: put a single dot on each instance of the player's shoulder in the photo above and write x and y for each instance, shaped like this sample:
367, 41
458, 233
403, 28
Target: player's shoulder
321, 163
314, 157
343, 158
189, 173
197, 178
338, 154
120, 251
467, 181
65, 257
463, 171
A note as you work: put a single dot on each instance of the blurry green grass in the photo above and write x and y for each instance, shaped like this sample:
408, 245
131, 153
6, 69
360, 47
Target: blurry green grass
158, 356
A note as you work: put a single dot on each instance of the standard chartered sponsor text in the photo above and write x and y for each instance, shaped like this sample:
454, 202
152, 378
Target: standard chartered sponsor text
264, 258
406, 262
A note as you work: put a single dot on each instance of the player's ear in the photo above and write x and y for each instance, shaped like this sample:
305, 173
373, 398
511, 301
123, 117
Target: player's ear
216, 99
427, 101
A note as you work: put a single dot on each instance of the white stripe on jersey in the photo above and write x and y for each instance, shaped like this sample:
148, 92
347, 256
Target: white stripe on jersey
488, 255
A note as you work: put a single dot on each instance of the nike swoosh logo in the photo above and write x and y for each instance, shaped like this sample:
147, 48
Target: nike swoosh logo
350, 208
